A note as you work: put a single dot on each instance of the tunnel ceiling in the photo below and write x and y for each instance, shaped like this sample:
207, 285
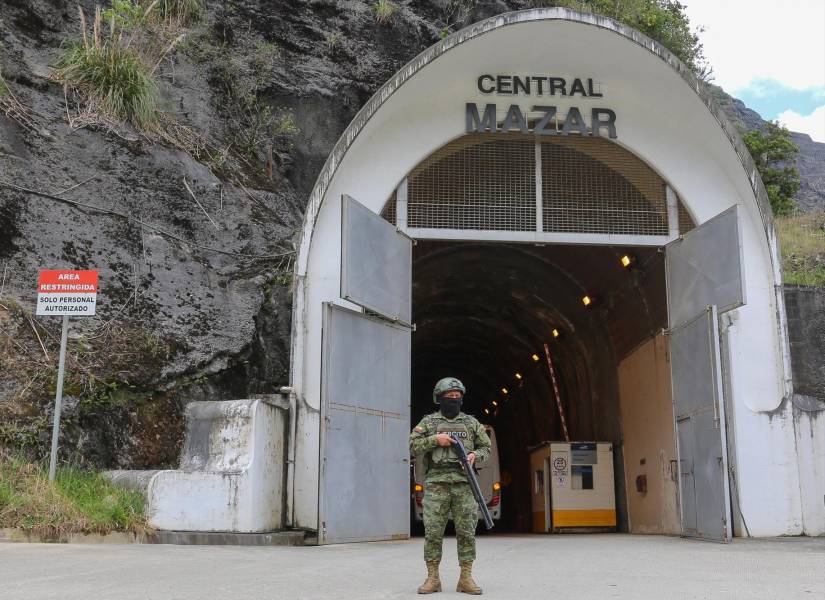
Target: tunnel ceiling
529, 289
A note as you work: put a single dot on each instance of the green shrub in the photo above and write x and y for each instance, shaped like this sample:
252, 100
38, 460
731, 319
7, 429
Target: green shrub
773, 152
111, 75
128, 14
285, 125
131, 14
384, 11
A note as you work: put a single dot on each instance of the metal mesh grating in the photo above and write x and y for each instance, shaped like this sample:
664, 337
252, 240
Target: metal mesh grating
486, 182
591, 185
477, 182
685, 221
388, 212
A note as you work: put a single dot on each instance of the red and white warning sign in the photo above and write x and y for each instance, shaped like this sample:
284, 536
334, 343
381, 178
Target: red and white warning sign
67, 293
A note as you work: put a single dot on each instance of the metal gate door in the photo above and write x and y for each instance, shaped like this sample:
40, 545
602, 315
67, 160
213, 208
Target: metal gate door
365, 386
704, 271
699, 410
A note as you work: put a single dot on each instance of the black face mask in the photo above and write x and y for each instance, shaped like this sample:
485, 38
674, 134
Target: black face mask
449, 406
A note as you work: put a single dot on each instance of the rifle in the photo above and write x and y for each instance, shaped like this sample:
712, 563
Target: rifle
471, 478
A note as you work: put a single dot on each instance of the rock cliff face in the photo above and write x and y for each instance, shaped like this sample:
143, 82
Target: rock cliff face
194, 239
811, 159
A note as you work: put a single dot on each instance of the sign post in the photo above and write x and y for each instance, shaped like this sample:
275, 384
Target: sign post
64, 293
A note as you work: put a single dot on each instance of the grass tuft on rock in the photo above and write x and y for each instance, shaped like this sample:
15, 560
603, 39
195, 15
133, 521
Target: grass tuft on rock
384, 11
184, 11
111, 75
78, 501
802, 239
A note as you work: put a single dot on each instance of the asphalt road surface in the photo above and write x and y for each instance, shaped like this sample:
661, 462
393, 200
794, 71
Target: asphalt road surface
524, 567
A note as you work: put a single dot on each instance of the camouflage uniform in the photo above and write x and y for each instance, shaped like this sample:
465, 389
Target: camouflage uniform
445, 484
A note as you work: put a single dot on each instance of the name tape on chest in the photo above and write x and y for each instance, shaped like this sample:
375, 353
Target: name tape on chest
459, 432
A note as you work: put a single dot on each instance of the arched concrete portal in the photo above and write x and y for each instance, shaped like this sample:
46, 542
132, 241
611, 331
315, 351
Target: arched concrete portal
663, 116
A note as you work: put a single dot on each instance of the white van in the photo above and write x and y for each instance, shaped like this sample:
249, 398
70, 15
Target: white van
489, 480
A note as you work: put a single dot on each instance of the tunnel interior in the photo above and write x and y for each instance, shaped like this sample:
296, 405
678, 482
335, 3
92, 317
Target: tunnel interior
483, 313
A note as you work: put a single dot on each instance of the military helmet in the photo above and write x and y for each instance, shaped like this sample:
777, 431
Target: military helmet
447, 384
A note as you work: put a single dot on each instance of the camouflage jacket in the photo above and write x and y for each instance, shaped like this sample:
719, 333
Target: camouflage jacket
442, 464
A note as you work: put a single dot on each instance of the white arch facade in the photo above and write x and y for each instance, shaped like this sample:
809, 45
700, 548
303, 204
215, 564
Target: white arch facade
663, 116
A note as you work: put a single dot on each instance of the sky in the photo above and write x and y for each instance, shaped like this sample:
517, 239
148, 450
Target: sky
770, 54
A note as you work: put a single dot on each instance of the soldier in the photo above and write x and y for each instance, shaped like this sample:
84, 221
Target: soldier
445, 485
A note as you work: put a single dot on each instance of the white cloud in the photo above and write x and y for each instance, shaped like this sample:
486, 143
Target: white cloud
812, 124
746, 40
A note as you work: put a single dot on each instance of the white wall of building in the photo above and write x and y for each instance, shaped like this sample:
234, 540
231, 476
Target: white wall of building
661, 119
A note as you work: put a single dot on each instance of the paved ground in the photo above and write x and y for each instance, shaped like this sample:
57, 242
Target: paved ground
518, 567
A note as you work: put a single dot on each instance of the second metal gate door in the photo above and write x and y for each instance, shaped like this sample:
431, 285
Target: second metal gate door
365, 386
704, 277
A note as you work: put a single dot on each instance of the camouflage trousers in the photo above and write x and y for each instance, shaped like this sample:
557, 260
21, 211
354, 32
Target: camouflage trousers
439, 500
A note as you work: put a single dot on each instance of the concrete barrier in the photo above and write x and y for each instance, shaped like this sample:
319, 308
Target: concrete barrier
232, 471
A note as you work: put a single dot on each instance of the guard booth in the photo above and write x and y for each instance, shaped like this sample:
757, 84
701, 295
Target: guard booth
666, 177
579, 495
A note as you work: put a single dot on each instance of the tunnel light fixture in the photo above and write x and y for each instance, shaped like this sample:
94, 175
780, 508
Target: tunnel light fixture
496, 486
495, 403
504, 391
587, 300
486, 411
518, 375
626, 261
535, 358
556, 333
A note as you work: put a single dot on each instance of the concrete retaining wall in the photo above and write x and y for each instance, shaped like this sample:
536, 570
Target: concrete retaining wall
806, 329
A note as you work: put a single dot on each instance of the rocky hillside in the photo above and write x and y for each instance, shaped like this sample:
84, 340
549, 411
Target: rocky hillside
192, 228
811, 159
191, 225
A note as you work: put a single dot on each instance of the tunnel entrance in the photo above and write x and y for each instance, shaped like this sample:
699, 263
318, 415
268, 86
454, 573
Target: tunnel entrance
412, 157
529, 253
483, 313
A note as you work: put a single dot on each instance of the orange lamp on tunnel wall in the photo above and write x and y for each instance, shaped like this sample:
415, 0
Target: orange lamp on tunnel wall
627, 260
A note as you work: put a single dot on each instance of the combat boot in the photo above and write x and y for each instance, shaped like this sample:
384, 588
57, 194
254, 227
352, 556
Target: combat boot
465, 580
433, 583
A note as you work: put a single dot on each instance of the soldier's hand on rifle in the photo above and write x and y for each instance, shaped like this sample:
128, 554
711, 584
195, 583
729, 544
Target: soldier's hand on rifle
444, 440
471, 458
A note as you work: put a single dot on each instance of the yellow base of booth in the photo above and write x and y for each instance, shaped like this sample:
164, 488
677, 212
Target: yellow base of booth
584, 518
